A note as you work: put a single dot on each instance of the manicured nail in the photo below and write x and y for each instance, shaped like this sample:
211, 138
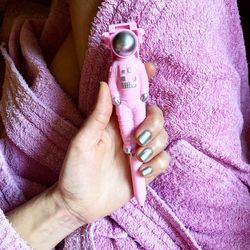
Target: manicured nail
144, 137
145, 154
146, 171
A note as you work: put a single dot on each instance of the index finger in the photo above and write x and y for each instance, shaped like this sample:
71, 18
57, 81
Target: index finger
150, 68
151, 126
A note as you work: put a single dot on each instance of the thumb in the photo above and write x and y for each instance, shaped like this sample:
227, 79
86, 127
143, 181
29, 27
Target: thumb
99, 118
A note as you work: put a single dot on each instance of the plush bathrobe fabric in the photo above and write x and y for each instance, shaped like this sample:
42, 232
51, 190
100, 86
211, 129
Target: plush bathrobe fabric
202, 200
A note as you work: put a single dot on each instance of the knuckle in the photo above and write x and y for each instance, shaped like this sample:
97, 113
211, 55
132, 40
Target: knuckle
156, 116
160, 112
165, 138
157, 111
99, 117
160, 143
163, 160
158, 123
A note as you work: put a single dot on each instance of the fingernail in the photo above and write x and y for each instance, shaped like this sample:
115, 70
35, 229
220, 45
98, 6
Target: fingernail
145, 154
144, 137
146, 171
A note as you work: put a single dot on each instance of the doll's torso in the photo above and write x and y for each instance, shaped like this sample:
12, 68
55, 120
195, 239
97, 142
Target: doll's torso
128, 80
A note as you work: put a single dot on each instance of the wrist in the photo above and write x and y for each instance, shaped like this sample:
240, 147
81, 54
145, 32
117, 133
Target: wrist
63, 209
42, 222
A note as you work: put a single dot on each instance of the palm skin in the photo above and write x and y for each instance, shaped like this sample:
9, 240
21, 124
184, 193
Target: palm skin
95, 178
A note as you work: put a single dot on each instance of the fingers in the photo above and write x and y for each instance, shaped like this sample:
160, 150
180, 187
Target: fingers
150, 68
153, 148
156, 166
152, 139
151, 126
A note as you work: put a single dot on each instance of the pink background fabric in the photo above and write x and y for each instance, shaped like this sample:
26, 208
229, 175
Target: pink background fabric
202, 200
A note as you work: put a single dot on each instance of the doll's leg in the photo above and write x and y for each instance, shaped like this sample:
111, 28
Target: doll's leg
126, 124
139, 114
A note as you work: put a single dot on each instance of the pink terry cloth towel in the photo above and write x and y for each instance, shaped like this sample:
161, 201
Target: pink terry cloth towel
202, 200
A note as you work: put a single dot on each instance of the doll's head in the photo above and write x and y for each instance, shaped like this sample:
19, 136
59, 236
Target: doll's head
123, 39
124, 43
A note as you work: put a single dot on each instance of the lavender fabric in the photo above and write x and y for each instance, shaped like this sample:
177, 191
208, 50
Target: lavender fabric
202, 200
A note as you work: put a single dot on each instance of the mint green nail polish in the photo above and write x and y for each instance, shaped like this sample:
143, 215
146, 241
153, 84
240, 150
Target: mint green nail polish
146, 171
144, 137
145, 154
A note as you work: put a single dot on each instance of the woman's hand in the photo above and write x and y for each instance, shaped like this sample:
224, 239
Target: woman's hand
95, 179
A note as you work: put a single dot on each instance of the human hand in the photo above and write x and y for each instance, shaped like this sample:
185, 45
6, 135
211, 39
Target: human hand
95, 178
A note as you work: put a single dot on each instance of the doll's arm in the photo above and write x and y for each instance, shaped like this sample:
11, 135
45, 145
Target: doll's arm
144, 82
113, 77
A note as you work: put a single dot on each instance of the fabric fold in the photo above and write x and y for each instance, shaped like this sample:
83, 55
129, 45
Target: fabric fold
33, 133
202, 201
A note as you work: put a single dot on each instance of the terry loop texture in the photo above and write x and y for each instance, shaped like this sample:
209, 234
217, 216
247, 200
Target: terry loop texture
202, 200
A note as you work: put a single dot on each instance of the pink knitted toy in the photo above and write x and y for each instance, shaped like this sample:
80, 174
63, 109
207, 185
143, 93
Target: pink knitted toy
128, 82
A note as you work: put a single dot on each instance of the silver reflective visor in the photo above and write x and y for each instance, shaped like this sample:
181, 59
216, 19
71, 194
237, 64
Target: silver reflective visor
124, 43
